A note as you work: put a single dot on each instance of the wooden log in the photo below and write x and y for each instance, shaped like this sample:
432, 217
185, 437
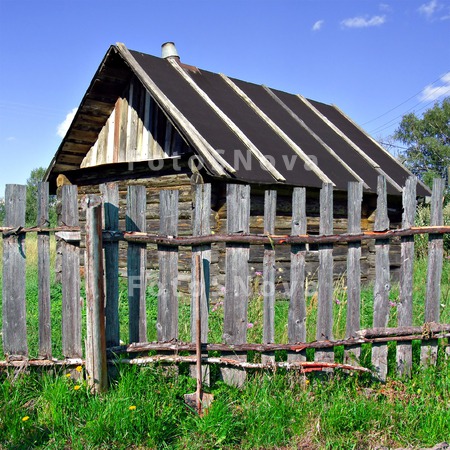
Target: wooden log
136, 268
260, 239
71, 302
237, 277
297, 304
434, 273
168, 269
45, 334
382, 279
96, 364
201, 226
324, 329
14, 326
427, 331
110, 193
405, 305
355, 196
269, 271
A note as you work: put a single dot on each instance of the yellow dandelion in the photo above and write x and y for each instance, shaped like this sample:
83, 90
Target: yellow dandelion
75, 388
24, 419
132, 407
68, 375
79, 369
307, 381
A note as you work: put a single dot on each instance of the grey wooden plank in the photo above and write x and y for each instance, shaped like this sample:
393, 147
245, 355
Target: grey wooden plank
434, 272
297, 304
353, 324
136, 264
201, 226
70, 276
269, 272
324, 329
168, 268
236, 278
96, 364
405, 304
382, 279
45, 335
14, 258
110, 193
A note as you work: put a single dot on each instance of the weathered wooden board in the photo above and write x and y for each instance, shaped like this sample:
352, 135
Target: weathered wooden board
434, 272
201, 256
167, 324
14, 327
324, 329
70, 271
382, 279
136, 270
45, 335
297, 304
355, 195
405, 304
237, 278
110, 194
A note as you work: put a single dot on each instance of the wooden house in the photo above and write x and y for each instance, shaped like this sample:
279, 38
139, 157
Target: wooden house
168, 125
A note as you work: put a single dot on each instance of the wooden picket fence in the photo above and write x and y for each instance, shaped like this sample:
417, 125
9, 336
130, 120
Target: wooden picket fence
102, 236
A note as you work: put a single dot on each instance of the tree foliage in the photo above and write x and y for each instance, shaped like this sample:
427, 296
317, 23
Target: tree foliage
428, 142
2, 211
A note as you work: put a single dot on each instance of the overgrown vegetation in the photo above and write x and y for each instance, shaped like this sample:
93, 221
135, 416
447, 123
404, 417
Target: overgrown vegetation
145, 406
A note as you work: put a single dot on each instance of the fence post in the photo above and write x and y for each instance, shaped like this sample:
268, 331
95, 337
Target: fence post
71, 303
428, 353
96, 364
382, 279
355, 196
14, 308
297, 304
136, 264
110, 193
45, 335
270, 209
200, 227
236, 278
324, 329
405, 305
168, 269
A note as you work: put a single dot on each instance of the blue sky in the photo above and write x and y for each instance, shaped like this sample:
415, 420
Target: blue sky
375, 60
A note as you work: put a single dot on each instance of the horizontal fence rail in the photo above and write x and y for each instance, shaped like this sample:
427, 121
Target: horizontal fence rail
101, 274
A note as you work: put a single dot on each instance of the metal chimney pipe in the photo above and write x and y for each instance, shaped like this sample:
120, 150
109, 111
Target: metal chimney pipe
168, 50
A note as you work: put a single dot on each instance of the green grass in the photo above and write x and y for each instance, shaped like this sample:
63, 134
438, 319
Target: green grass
272, 410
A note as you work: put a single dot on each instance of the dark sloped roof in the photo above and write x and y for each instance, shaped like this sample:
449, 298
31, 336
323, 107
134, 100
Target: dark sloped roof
241, 130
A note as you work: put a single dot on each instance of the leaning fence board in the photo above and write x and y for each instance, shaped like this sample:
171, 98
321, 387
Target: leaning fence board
110, 193
324, 329
297, 304
201, 254
136, 265
71, 303
168, 268
270, 208
45, 335
14, 257
96, 365
382, 279
434, 273
355, 193
236, 277
405, 305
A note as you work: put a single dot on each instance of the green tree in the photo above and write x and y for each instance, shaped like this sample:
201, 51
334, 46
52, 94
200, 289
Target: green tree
2, 211
428, 142
35, 177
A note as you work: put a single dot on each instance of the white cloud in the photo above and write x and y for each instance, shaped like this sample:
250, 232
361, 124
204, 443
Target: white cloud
385, 7
64, 126
437, 90
10, 138
428, 9
363, 22
318, 25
